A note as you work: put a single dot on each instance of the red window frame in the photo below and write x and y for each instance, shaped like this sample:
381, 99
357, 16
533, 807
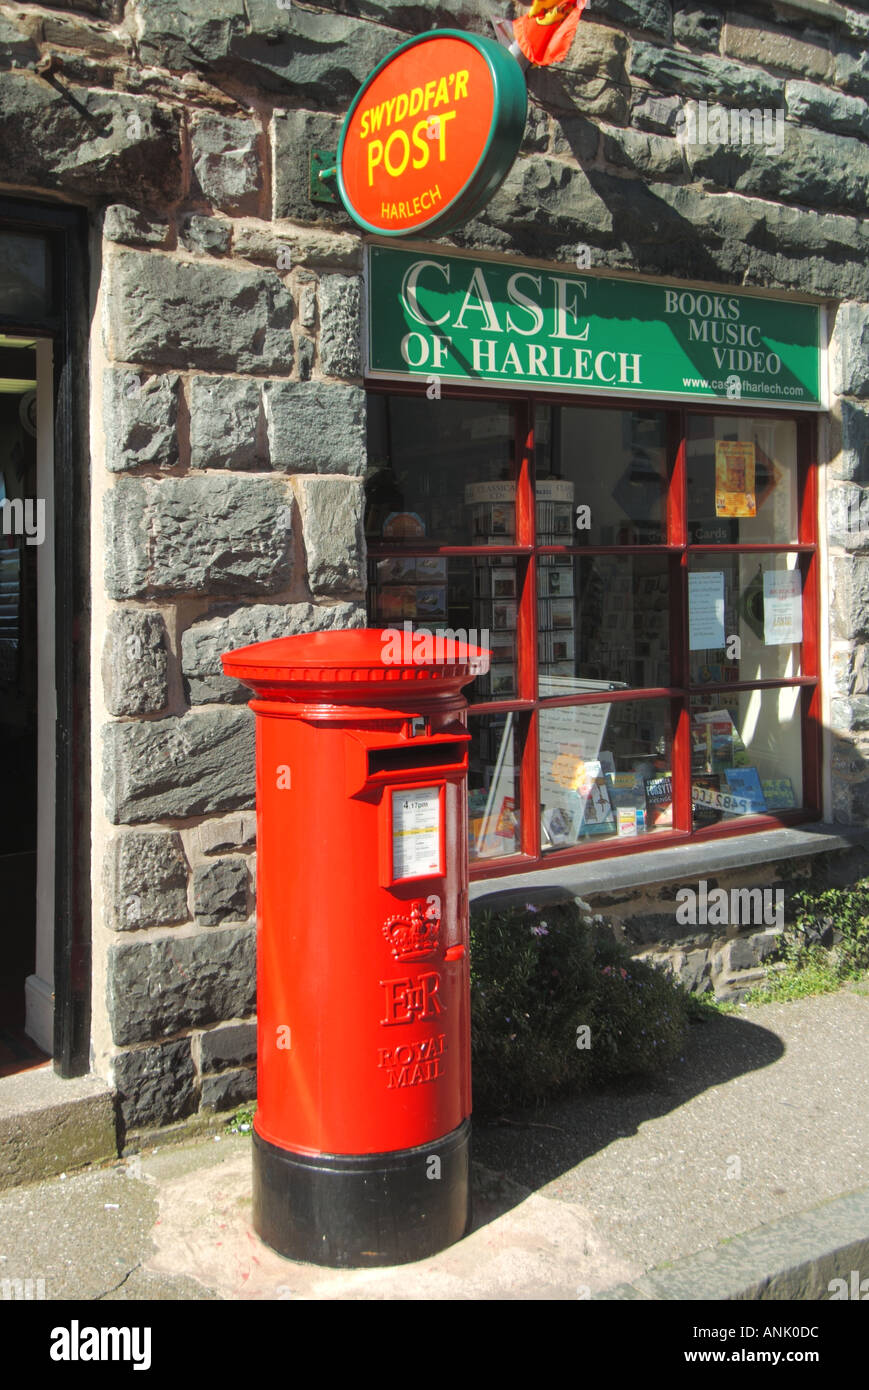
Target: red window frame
528, 704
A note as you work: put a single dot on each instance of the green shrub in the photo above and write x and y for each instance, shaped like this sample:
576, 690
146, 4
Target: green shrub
538, 977
826, 943
838, 917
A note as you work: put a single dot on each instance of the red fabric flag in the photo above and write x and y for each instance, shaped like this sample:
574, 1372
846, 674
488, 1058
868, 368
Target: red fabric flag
546, 32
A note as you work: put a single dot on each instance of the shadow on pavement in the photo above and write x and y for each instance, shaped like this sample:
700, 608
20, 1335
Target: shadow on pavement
523, 1151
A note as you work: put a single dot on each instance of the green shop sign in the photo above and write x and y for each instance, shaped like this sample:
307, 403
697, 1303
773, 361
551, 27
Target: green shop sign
463, 319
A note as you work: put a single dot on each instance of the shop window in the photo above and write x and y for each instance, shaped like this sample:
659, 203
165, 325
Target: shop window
646, 581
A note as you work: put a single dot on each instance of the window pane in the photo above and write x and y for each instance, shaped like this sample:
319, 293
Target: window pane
427, 461
745, 617
605, 772
615, 464
493, 787
25, 292
742, 480
603, 621
458, 598
746, 754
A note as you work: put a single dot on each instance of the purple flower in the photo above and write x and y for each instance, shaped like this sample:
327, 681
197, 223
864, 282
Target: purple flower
541, 930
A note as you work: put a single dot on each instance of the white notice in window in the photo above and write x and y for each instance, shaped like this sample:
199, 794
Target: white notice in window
706, 610
416, 833
782, 607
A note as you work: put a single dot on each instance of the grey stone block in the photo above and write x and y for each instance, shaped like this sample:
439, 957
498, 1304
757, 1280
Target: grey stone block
141, 420
715, 79
332, 510
305, 356
653, 16
71, 31
852, 71
815, 169
145, 880
188, 35
17, 49
340, 300
698, 28
545, 207
155, 1085
203, 644
850, 715
294, 135
195, 535
217, 836
853, 461
644, 153
418, 15
849, 585
658, 113
803, 51
693, 971
308, 306
591, 79
850, 350
284, 247
848, 516
315, 427
191, 314
322, 57
220, 892
126, 147
192, 766
825, 107
209, 235
225, 416
225, 155
575, 137
228, 1089
135, 662
231, 1046
156, 988
133, 228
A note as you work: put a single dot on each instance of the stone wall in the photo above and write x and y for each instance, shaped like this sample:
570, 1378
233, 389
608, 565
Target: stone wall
227, 407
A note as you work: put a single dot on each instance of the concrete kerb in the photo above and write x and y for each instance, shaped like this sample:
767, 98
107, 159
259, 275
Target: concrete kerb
49, 1125
795, 1258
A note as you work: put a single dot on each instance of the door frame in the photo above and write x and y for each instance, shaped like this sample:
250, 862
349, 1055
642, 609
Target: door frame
67, 327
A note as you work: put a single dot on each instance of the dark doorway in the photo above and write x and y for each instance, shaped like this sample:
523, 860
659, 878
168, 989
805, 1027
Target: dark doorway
22, 530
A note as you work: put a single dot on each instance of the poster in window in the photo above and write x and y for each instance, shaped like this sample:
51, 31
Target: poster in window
734, 478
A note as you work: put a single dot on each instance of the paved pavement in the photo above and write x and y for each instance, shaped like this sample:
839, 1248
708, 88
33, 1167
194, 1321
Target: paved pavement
747, 1157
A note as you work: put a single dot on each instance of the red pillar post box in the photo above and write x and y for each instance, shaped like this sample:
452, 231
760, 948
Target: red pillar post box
364, 1096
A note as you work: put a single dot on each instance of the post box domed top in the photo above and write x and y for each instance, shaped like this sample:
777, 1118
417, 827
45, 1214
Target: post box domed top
355, 664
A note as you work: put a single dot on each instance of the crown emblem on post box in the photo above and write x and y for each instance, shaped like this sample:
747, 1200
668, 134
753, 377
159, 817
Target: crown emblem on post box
413, 934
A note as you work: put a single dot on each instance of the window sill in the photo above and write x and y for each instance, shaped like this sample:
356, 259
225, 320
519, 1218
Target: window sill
681, 862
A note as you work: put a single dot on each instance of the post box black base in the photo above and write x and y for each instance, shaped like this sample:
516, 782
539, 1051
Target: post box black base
358, 1211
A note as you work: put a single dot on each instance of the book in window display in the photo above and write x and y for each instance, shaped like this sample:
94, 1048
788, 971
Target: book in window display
705, 796
659, 801
595, 814
628, 796
745, 782
778, 793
